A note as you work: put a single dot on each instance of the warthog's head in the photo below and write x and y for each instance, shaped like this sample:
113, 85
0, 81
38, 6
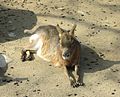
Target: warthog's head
67, 42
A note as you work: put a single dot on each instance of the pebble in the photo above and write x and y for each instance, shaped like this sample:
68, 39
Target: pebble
113, 93
69, 95
57, 85
75, 94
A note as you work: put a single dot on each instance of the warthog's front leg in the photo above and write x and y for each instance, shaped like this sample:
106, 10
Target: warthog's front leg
70, 76
78, 77
75, 81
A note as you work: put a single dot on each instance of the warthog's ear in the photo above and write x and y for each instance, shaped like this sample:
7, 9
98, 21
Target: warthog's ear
59, 30
72, 30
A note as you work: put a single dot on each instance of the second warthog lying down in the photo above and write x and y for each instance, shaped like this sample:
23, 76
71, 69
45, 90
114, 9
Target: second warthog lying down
57, 46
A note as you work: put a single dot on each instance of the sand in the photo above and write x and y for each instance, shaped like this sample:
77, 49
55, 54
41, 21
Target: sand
97, 30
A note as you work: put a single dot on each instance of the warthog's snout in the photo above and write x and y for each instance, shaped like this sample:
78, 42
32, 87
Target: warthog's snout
66, 54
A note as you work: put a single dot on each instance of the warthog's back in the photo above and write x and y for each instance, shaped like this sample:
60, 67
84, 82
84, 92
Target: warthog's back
47, 42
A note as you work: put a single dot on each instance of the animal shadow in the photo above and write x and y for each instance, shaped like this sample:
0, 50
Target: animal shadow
92, 62
13, 22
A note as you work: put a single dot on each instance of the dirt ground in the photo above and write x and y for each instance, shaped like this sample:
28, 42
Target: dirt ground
98, 29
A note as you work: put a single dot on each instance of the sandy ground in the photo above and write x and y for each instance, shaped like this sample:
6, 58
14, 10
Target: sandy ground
98, 29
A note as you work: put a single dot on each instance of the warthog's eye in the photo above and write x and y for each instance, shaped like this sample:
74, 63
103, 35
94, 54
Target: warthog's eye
66, 40
67, 44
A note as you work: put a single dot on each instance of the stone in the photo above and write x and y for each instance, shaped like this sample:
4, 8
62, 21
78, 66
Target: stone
4, 61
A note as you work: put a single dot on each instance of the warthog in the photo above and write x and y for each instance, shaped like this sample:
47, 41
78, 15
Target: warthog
57, 46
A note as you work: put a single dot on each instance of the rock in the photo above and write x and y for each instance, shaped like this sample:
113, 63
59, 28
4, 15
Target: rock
4, 61
11, 34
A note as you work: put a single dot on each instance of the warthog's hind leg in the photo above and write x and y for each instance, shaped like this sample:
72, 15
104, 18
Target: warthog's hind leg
25, 57
31, 55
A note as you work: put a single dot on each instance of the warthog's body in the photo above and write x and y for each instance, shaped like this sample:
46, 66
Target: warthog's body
59, 47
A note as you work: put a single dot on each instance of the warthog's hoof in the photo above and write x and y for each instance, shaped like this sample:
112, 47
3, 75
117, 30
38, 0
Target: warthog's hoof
77, 84
23, 55
30, 57
27, 57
